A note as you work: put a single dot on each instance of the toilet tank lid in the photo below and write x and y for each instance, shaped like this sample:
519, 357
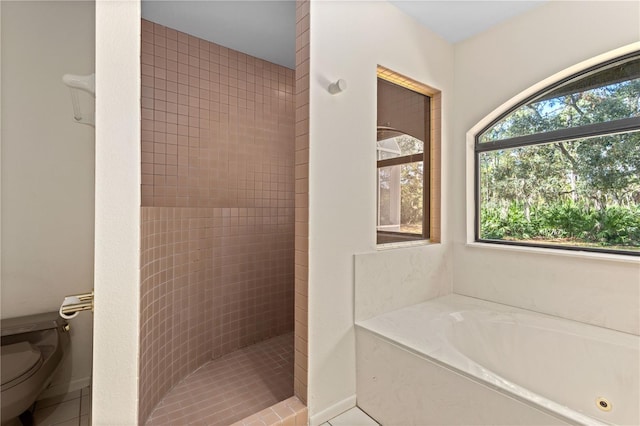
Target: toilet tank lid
37, 322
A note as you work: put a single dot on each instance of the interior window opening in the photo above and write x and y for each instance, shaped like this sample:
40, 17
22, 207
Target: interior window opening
402, 151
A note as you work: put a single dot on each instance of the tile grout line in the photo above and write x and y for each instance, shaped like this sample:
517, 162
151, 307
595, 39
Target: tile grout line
80, 410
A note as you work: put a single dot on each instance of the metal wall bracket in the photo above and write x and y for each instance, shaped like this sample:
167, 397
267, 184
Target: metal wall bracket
74, 304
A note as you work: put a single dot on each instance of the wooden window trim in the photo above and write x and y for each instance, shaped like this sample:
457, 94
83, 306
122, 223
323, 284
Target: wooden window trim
433, 152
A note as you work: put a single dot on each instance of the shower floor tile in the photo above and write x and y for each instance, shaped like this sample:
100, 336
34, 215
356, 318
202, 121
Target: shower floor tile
232, 387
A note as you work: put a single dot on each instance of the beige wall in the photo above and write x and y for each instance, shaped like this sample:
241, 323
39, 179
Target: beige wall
348, 41
47, 168
490, 69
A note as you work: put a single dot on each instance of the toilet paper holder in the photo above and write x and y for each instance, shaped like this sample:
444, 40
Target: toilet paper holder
72, 305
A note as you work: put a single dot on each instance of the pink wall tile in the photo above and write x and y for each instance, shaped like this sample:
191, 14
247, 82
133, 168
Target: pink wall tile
301, 197
218, 205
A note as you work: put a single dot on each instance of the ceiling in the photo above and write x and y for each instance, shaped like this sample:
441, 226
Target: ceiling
457, 20
266, 28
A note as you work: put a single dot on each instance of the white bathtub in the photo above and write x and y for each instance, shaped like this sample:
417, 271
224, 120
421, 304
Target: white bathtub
459, 360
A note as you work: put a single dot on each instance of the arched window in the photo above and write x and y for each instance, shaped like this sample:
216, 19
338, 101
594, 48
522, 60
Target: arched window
562, 168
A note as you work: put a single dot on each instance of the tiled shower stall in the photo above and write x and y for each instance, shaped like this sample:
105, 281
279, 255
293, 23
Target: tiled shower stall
218, 189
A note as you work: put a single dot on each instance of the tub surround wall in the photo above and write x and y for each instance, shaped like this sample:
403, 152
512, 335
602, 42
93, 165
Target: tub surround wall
592, 291
392, 279
349, 40
47, 170
218, 205
514, 56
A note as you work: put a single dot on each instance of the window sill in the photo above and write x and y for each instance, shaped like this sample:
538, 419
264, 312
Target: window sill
403, 244
556, 252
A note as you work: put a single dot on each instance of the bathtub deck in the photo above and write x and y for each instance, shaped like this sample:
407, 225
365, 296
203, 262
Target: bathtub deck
231, 388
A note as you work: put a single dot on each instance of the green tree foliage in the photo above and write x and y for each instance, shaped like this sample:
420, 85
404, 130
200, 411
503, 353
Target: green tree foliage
411, 179
584, 191
411, 193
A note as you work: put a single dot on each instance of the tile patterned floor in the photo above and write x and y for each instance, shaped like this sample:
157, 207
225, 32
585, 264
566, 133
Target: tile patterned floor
72, 409
352, 417
232, 387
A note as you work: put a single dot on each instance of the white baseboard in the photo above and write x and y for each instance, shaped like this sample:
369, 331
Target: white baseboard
333, 411
65, 388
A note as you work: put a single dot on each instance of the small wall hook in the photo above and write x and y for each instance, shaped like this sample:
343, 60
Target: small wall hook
337, 87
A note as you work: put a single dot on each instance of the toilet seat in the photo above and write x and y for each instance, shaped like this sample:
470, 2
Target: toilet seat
32, 350
19, 362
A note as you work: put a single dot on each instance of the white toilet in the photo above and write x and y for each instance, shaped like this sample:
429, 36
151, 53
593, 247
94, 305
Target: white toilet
32, 350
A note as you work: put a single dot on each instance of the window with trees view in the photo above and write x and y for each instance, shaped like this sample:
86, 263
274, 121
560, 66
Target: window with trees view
562, 169
402, 152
